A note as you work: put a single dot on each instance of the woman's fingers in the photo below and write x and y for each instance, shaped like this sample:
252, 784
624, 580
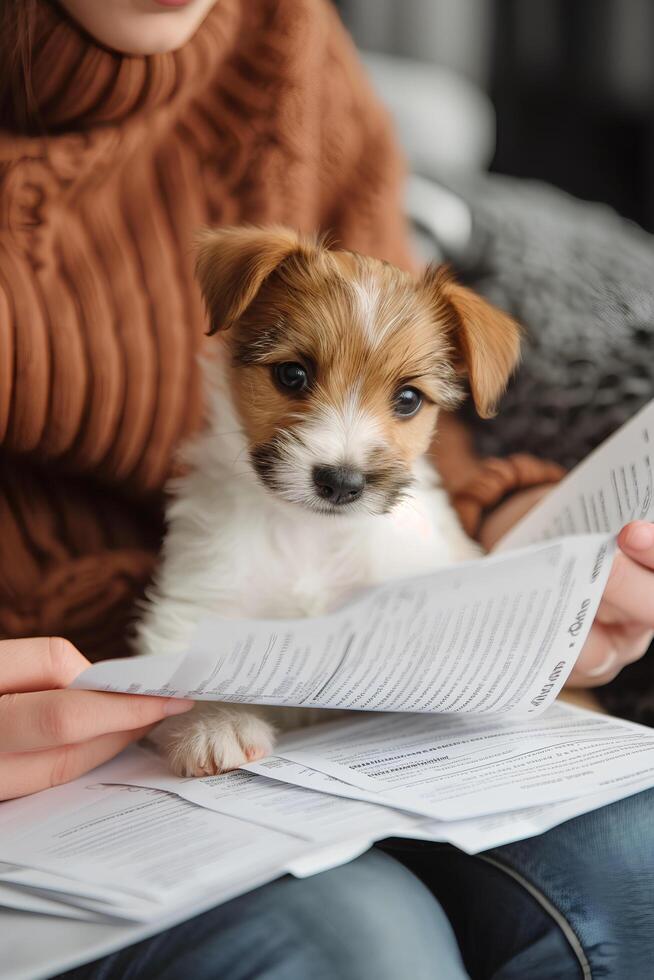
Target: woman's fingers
39, 664
629, 593
624, 625
49, 735
28, 772
608, 649
51, 718
637, 541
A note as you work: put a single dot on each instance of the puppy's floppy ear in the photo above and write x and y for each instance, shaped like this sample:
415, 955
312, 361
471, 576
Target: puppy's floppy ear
486, 340
232, 264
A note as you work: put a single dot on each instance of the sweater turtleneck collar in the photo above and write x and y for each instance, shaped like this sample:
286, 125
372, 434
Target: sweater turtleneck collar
78, 83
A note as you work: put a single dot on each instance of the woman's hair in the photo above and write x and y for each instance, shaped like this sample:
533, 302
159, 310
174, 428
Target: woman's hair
17, 28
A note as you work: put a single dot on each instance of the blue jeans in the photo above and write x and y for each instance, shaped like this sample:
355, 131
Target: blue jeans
576, 902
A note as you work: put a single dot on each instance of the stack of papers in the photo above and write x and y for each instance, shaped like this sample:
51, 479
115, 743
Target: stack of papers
457, 737
131, 842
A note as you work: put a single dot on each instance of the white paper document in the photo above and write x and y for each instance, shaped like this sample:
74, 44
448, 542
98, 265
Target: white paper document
613, 486
125, 844
495, 636
318, 817
472, 834
455, 768
132, 851
130, 841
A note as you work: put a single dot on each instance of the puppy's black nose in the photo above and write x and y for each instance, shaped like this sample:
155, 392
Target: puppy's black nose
338, 484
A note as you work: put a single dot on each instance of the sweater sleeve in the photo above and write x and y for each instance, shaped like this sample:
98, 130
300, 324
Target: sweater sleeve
477, 485
72, 558
362, 169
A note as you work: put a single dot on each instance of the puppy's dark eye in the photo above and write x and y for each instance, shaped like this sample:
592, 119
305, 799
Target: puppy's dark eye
291, 377
407, 402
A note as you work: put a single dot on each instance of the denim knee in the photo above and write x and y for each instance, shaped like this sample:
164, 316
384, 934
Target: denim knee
503, 930
597, 873
368, 920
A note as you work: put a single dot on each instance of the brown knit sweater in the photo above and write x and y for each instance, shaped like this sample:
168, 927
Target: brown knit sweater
265, 116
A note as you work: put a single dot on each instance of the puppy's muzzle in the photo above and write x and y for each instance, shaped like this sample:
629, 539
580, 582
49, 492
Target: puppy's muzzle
338, 485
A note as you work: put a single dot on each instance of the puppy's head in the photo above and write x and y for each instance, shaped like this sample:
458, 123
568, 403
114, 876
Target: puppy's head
340, 363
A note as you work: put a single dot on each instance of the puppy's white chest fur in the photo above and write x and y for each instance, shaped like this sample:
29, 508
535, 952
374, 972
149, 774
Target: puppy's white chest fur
286, 563
233, 550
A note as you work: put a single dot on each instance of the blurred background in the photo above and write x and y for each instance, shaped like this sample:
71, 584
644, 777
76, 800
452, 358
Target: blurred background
528, 126
557, 90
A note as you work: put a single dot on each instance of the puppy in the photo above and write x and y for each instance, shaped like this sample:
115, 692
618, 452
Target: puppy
309, 480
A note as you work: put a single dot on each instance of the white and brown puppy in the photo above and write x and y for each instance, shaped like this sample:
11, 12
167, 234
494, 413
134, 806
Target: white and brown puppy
309, 479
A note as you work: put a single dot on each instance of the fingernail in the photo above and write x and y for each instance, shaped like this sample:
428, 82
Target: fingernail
640, 537
176, 706
604, 667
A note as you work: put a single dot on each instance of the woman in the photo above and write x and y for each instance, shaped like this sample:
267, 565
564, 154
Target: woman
125, 126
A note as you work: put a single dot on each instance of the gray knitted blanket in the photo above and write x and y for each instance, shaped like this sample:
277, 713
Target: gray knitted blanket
581, 281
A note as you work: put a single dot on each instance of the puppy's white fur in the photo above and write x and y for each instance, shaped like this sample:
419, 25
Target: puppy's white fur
235, 549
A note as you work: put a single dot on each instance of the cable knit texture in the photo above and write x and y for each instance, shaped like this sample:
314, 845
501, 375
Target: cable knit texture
264, 116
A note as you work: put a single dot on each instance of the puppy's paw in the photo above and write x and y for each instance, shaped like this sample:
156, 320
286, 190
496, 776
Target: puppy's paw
210, 740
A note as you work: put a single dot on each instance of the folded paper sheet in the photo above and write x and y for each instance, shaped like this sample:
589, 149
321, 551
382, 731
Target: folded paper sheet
499, 635
613, 486
495, 636
447, 769
456, 768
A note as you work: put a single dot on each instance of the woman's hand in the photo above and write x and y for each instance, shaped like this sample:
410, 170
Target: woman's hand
624, 625
49, 735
